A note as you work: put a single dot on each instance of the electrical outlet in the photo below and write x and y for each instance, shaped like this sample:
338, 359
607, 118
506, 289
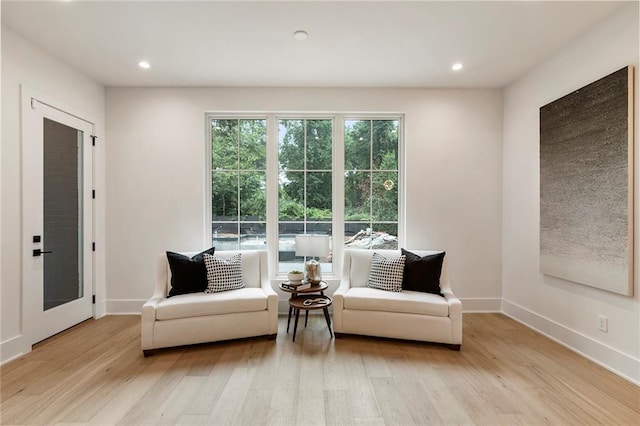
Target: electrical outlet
603, 323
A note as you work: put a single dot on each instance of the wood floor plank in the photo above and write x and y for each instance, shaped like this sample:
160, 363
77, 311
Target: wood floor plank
338, 409
403, 402
228, 405
447, 407
505, 373
255, 408
282, 408
311, 395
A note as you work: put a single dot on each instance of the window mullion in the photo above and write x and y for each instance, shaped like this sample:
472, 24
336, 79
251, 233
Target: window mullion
208, 208
338, 218
371, 176
238, 180
304, 175
401, 184
273, 217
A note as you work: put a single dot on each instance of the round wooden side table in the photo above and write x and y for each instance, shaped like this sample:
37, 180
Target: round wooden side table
308, 302
315, 288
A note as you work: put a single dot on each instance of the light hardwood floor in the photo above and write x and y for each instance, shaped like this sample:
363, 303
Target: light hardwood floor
504, 374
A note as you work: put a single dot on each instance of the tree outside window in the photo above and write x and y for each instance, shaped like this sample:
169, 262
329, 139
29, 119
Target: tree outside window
301, 199
305, 189
238, 183
371, 183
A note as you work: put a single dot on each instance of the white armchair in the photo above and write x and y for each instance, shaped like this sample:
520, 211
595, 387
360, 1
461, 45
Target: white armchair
199, 317
411, 315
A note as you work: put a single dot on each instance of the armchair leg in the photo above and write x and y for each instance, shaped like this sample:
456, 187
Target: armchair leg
272, 336
454, 347
148, 352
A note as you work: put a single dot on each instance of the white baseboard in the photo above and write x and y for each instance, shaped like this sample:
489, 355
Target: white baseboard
481, 305
100, 309
283, 306
610, 358
124, 306
13, 348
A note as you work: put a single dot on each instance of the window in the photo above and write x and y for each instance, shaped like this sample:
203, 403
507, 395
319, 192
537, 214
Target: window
371, 183
238, 183
305, 188
303, 192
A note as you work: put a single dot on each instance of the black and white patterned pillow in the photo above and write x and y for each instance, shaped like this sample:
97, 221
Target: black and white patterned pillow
386, 273
223, 274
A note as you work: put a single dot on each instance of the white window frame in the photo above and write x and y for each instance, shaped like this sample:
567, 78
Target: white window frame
338, 220
208, 234
336, 206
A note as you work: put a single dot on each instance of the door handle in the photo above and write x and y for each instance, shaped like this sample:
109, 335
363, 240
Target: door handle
38, 252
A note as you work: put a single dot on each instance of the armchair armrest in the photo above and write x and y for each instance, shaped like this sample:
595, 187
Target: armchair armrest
338, 295
345, 285
272, 296
147, 320
272, 305
455, 315
148, 315
455, 305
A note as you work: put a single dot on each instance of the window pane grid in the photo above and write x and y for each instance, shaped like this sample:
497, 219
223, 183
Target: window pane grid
371, 183
305, 192
238, 182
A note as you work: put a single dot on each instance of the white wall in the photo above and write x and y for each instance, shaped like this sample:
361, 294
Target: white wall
156, 175
25, 64
564, 310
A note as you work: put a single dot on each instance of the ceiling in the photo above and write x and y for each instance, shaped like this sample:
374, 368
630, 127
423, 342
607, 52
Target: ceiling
350, 44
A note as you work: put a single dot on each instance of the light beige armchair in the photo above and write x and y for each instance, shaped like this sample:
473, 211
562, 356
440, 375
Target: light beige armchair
411, 315
199, 317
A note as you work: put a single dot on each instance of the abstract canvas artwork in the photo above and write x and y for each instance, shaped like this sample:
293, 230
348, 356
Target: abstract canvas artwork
586, 185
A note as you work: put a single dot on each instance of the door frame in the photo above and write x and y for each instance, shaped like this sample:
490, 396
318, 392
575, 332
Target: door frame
29, 306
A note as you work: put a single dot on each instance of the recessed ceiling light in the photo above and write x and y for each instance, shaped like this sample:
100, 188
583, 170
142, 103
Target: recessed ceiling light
144, 64
457, 66
300, 35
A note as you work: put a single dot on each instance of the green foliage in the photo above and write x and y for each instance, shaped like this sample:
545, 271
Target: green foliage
319, 214
371, 145
355, 216
306, 142
305, 162
238, 145
224, 195
357, 195
385, 196
290, 209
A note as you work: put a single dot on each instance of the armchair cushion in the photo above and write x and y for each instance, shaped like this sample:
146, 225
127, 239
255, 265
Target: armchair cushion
408, 302
188, 274
202, 304
422, 273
